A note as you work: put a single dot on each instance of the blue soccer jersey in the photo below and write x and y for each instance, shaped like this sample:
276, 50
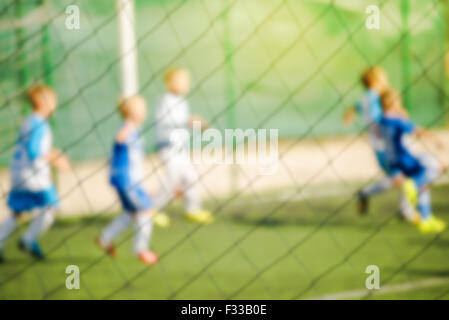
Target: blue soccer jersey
370, 109
30, 169
127, 173
399, 157
127, 163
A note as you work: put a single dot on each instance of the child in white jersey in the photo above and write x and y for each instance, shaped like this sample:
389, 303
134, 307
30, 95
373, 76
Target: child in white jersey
173, 116
32, 187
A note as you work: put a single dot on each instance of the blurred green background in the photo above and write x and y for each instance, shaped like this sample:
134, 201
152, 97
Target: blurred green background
287, 64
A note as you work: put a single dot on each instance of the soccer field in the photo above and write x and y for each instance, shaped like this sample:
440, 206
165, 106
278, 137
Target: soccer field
316, 248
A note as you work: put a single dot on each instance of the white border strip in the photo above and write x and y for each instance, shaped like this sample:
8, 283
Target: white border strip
394, 288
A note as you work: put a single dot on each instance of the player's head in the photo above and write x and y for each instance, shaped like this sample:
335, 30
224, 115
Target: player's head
375, 78
133, 108
177, 81
43, 99
391, 101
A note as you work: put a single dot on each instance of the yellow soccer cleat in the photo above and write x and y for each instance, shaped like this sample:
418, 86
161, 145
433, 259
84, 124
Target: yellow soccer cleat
200, 216
410, 191
432, 225
440, 224
161, 219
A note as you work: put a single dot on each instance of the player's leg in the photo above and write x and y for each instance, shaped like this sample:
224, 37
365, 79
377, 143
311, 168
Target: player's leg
112, 231
7, 227
142, 207
40, 224
172, 178
429, 223
431, 172
408, 210
378, 187
193, 205
143, 224
47, 202
371, 190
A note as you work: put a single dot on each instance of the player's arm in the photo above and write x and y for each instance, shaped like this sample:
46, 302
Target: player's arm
196, 118
124, 133
37, 145
350, 115
428, 135
58, 159
397, 177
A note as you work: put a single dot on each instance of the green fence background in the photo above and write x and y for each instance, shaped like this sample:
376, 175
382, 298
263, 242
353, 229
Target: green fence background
287, 64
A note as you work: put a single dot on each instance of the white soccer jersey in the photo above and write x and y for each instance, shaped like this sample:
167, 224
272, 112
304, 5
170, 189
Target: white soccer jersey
370, 109
172, 114
29, 169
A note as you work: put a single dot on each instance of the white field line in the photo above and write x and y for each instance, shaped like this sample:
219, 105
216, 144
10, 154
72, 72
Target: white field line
394, 288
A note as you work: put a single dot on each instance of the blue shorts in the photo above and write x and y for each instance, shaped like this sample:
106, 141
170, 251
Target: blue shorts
26, 200
134, 199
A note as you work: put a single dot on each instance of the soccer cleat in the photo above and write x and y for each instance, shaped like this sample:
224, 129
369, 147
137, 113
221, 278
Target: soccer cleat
432, 225
161, 219
148, 257
200, 216
108, 249
363, 203
440, 224
32, 248
410, 191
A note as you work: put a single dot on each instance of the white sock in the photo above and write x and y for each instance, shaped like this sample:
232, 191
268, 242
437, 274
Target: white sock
144, 227
378, 187
39, 225
406, 208
6, 228
115, 228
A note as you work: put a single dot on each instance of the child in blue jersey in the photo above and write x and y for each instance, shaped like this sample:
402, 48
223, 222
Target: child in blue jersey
126, 177
403, 163
31, 185
375, 81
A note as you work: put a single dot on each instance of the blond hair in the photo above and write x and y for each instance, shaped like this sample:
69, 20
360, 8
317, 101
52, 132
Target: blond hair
37, 94
390, 98
173, 72
126, 105
371, 75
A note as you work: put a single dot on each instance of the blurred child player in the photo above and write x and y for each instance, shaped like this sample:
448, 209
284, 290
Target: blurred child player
375, 81
126, 176
32, 187
421, 170
172, 117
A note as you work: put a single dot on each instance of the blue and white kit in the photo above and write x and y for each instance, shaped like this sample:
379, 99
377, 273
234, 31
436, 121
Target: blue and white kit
30, 171
423, 169
127, 173
370, 109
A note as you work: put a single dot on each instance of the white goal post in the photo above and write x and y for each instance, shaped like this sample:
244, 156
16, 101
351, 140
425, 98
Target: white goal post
127, 47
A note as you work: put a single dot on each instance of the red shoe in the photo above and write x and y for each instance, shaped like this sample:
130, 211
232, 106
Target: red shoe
148, 257
109, 249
